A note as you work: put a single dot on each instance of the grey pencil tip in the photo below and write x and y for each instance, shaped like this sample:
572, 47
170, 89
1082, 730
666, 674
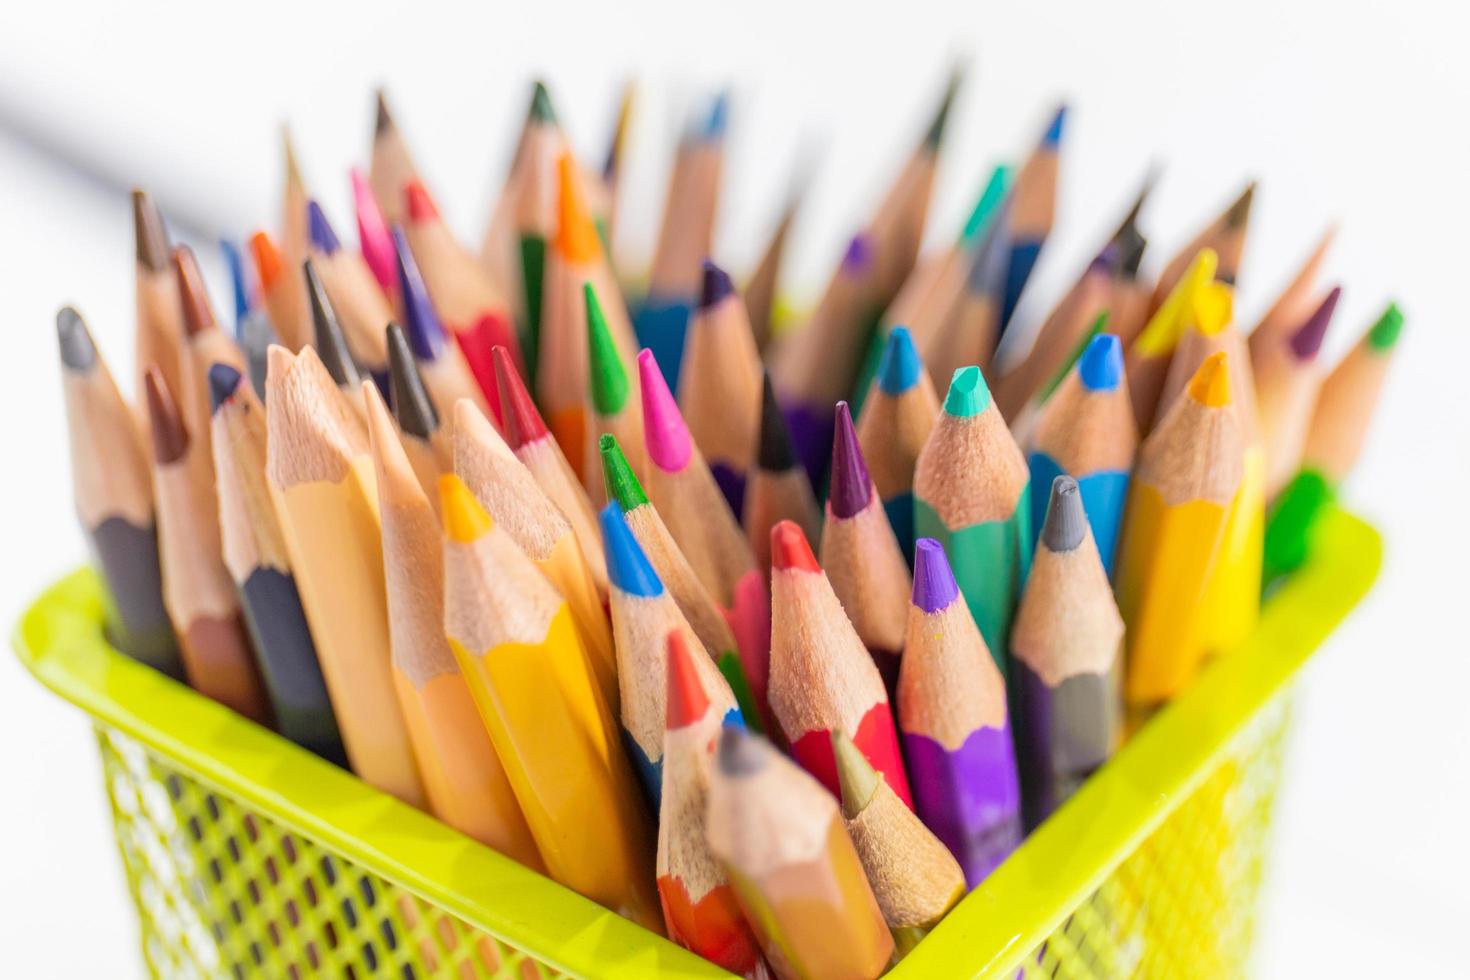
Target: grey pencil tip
1066, 520
739, 752
409, 399
78, 352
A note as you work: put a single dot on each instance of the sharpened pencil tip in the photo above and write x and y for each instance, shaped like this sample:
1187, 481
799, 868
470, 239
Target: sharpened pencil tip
685, 699
851, 487
170, 437
464, 519
1052, 138
418, 203
383, 119
716, 119
739, 753
606, 374
934, 582
412, 407
618, 477
774, 452
628, 568
1210, 385
323, 238
541, 109
326, 332
1239, 211
968, 394
224, 381
899, 369
198, 314
1384, 334
1307, 340
268, 264
150, 241
790, 549
934, 135
1101, 365
1065, 524
523, 422
857, 780
665, 436
715, 287
78, 351
420, 321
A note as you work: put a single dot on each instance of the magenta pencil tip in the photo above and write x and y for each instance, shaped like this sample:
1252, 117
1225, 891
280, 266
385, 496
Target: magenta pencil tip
665, 435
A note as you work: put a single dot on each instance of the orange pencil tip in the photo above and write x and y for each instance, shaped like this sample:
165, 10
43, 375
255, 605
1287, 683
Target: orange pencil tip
418, 202
687, 701
464, 519
1210, 385
790, 549
576, 236
268, 264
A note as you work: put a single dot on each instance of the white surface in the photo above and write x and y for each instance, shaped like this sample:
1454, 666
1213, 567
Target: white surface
1350, 114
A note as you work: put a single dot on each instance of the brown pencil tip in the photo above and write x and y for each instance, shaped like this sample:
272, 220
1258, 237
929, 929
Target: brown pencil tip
170, 438
383, 122
1239, 212
150, 240
198, 314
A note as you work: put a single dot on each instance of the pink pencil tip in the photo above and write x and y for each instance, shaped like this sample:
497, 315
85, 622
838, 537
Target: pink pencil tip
664, 434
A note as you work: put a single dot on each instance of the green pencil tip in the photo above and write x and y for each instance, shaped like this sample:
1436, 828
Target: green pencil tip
935, 133
605, 367
968, 394
617, 476
1385, 333
541, 109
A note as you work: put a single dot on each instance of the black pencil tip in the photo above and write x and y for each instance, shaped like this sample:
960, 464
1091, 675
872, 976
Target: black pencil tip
409, 399
776, 454
326, 332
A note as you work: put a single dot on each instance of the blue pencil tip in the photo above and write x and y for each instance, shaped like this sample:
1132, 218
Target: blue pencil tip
627, 565
1053, 138
239, 286
717, 118
420, 322
320, 229
1101, 364
223, 380
899, 369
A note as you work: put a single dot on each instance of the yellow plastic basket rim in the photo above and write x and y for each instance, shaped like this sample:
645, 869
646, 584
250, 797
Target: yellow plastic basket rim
60, 641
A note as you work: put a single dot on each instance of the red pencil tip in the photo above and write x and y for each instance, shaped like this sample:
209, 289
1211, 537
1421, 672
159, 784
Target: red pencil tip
523, 422
687, 701
420, 205
789, 549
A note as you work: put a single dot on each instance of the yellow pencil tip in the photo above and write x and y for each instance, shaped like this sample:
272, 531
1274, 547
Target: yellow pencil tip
464, 519
1211, 307
1210, 385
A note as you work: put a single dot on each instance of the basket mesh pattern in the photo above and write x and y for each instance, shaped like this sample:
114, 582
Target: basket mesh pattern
225, 892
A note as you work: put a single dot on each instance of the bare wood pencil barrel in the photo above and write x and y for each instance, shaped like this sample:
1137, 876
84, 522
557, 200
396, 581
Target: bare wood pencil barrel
246, 855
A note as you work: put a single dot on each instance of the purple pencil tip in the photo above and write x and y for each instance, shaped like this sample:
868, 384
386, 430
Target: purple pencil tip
859, 253
1307, 341
716, 286
320, 229
934, 584
851, 487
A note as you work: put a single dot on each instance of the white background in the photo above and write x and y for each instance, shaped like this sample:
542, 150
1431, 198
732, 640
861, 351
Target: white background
1346, 112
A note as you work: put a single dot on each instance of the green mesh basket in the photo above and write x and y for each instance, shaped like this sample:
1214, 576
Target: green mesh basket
247, 856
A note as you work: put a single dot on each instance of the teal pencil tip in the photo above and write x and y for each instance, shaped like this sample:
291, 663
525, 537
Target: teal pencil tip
968, 393
990, 198
899, 369
541, 109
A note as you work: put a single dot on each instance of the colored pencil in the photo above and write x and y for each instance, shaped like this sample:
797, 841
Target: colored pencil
112, 489
967, 328
1023, 423
822, 678
1147, 359
505, 488
1225, 236
255, 555
1188, 475
720, 385
515, 642
253, 330
528, 437
861, 554
614, 409
282, 291
464, 780
972, 494
575, 259
293, 227
329, 341
424, 442
612, 163
1294, 303
374, 240
362, 307
1085, 431
689, 500
390, 166
1065, 325
779, 489
893, 428
469, 303
1132, 291
643, 616
699, 607
1035, 210
685, 237
446, 373
1232, 601
1287, 383
914, 877
796, 874
763, 286
319, 470
700, 908
955, 724
1340, 423
1068, 650
197, 590
159, 337
205, 344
